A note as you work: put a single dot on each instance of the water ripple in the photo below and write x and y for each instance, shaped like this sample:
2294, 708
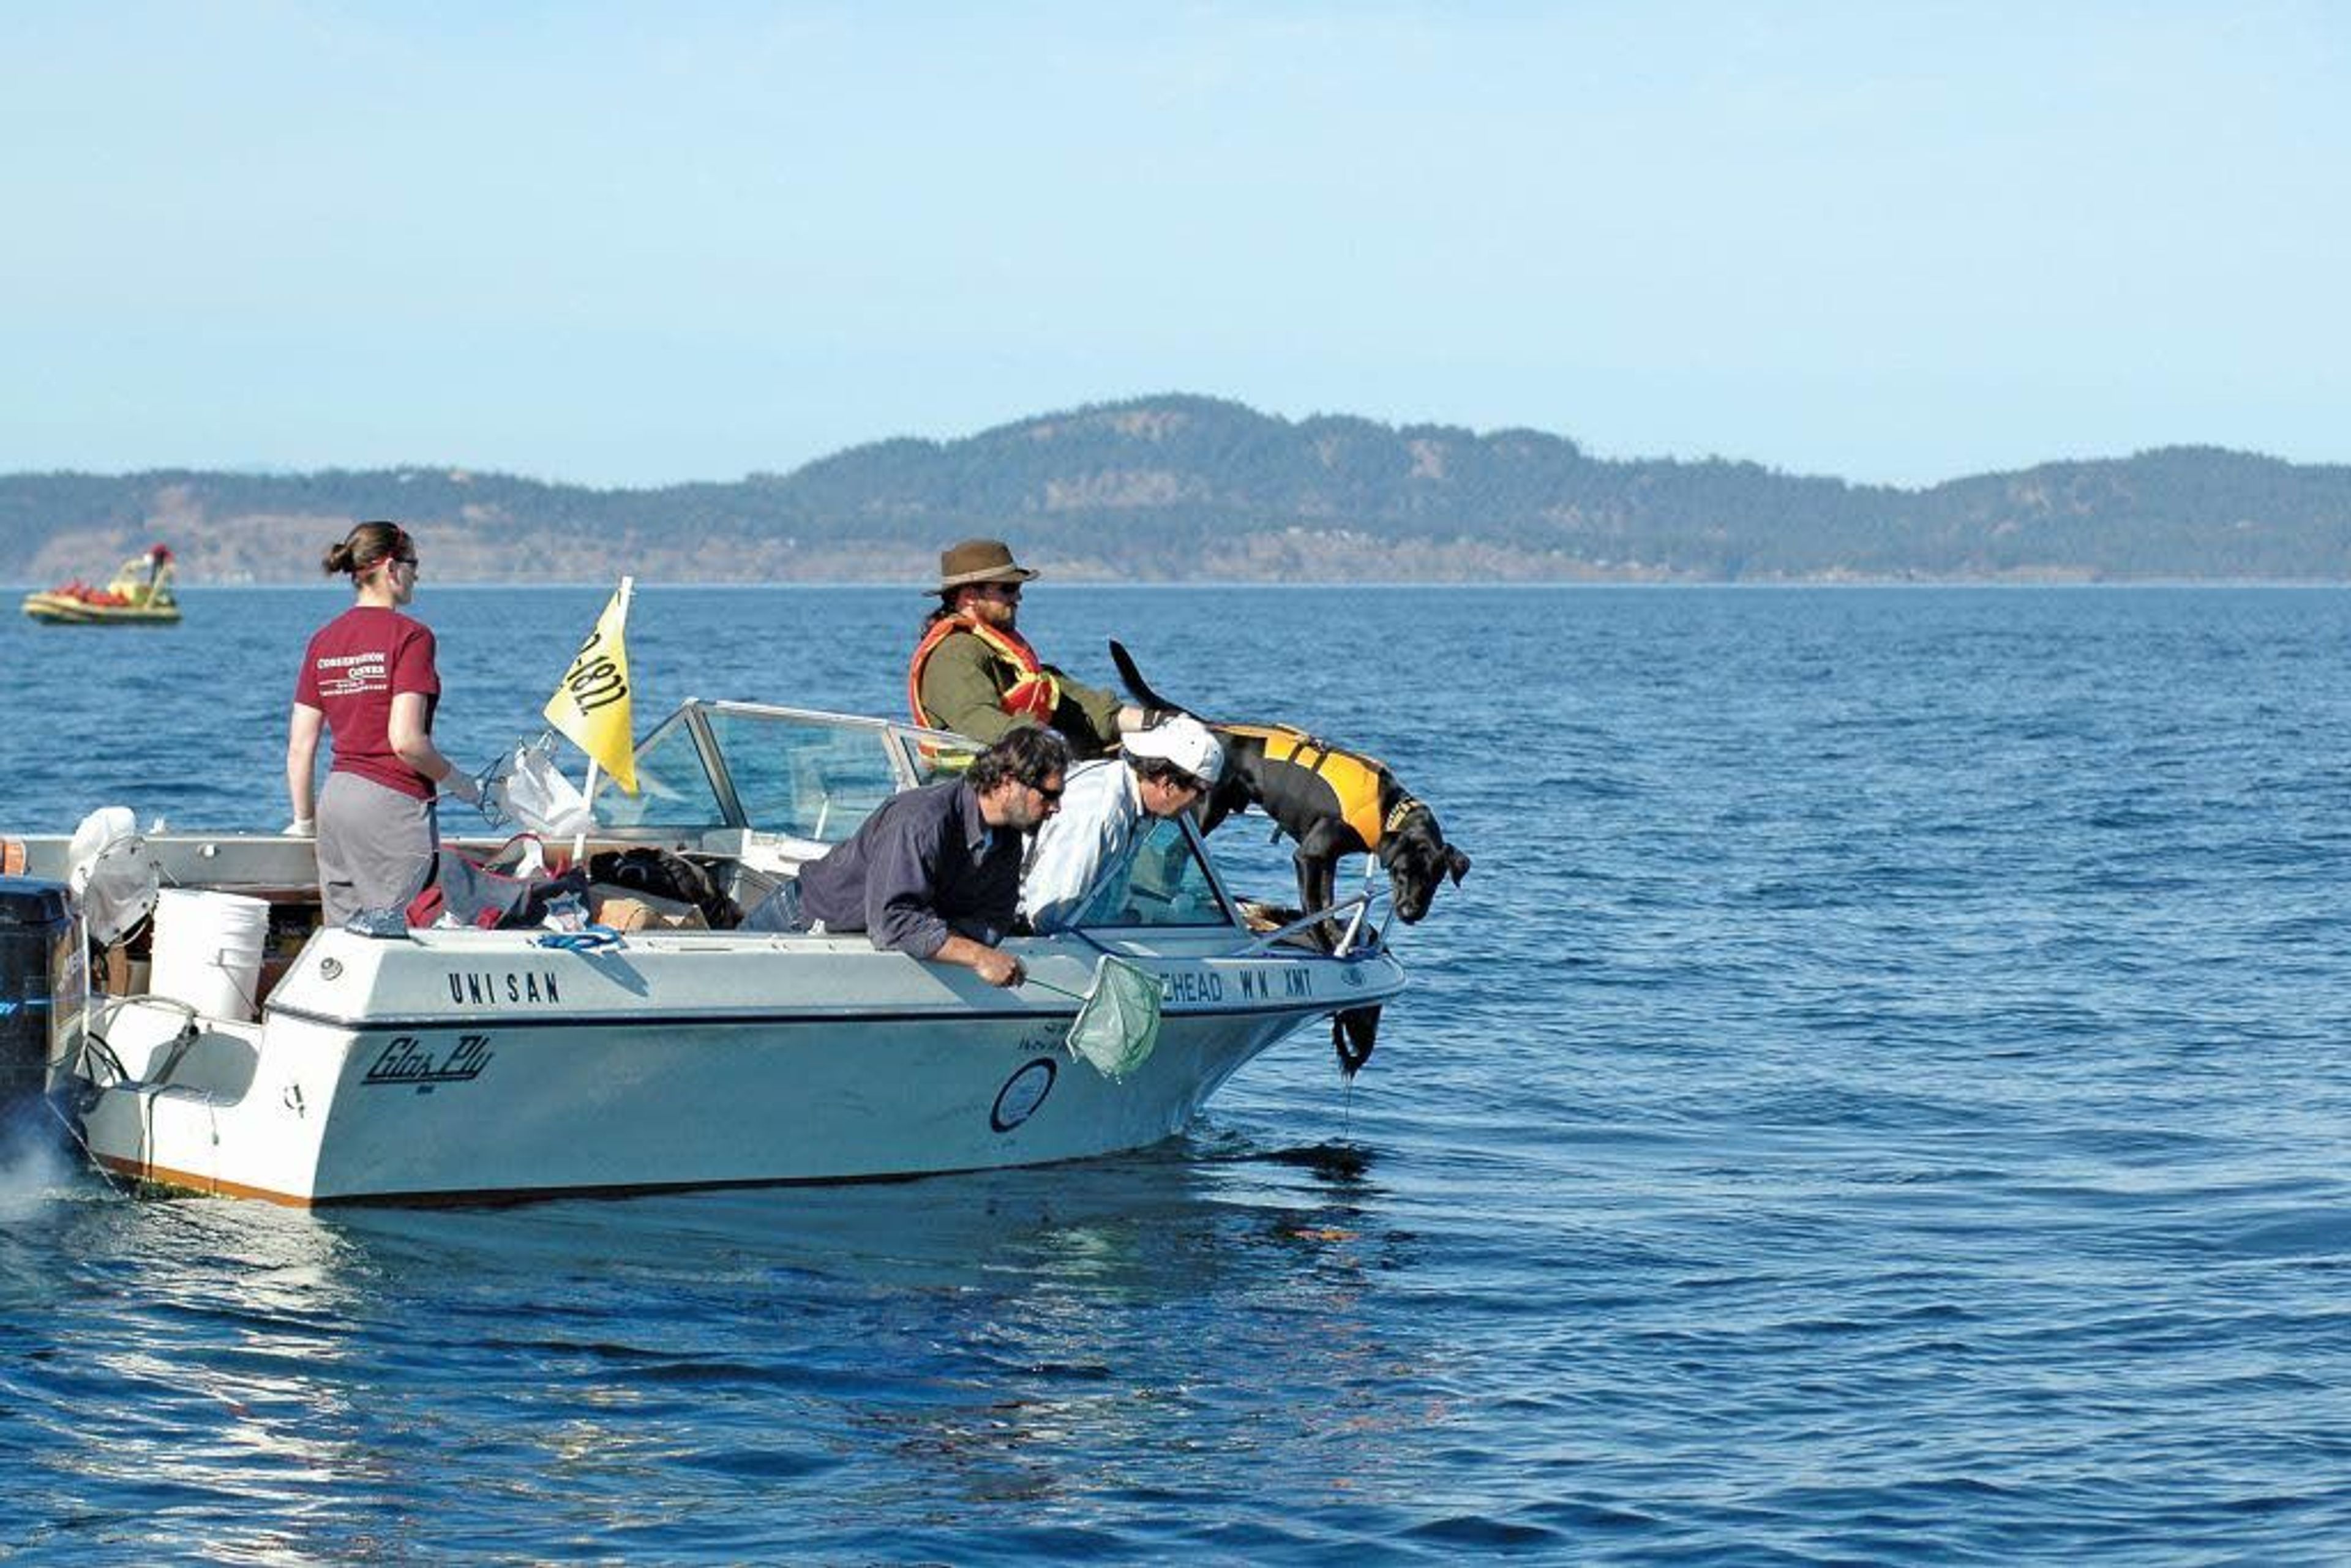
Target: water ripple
1878, 1098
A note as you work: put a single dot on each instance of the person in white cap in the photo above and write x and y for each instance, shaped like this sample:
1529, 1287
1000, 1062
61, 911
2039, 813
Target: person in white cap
1165, 771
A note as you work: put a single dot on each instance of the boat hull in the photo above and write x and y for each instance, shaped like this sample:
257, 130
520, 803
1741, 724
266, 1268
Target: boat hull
465, 1066
64, 610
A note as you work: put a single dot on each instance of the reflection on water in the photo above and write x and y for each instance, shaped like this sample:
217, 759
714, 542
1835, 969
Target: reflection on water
188, 1356
348, 1382
1879, 1097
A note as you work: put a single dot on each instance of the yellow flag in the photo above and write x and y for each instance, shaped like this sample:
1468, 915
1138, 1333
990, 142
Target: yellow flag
592, 705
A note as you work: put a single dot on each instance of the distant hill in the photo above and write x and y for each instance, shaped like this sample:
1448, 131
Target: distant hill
1189, 488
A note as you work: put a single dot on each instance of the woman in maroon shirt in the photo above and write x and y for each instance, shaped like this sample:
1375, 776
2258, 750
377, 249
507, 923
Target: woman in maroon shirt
368, 677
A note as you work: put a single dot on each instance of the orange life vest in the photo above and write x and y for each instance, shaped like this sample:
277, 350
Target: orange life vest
1032, 693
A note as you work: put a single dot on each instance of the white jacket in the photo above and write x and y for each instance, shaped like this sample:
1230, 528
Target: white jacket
1083, 845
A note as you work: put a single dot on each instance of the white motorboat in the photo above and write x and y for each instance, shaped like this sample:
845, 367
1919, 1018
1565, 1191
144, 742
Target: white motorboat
453, 1064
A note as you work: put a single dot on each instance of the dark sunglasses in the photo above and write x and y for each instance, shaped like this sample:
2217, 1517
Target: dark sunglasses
1054, 794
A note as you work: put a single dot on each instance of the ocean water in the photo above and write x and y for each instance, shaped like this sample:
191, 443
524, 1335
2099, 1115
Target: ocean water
1881, 1096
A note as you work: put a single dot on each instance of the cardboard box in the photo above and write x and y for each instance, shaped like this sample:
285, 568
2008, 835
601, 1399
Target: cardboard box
625, 909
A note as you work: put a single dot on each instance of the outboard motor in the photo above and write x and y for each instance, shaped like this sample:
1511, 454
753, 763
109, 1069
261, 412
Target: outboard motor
44, 987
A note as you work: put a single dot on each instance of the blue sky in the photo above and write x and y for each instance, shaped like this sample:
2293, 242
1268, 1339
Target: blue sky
623, 245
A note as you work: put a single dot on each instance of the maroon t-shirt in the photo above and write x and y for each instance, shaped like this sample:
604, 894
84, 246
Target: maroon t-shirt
353, 668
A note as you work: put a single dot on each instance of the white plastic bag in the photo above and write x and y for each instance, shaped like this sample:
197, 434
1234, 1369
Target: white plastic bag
532, 790
111, 872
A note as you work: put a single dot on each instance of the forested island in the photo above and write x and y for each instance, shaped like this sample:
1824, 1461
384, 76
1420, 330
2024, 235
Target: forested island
1185, 488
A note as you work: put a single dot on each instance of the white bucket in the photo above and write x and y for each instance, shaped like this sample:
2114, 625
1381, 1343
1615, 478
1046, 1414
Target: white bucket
208, 950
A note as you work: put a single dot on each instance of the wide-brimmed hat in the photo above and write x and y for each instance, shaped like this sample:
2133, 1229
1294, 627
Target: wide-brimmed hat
1184, 741
978, 561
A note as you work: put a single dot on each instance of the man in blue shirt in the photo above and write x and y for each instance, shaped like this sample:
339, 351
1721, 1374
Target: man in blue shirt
936, 873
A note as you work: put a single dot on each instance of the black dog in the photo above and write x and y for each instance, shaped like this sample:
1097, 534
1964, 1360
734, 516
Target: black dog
1334, 802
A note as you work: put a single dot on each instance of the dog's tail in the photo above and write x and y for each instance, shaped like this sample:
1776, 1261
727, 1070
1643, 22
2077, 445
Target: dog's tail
1137, 686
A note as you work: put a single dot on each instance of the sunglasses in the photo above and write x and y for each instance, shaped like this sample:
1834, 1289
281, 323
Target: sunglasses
1049, 795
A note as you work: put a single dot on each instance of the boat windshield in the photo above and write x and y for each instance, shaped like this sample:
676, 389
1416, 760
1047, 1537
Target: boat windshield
798, 774
1164, 883
787, 771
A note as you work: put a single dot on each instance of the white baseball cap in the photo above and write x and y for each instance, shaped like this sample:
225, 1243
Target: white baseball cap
1184, 741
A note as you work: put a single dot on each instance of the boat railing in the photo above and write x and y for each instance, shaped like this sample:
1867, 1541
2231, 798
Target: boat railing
1359, 903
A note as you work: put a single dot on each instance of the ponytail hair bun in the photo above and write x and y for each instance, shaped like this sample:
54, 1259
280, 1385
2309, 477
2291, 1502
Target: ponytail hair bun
365, 548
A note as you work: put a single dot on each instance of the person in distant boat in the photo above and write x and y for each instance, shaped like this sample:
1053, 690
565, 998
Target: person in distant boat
368, 677
973, 673
935, 873
1168, 769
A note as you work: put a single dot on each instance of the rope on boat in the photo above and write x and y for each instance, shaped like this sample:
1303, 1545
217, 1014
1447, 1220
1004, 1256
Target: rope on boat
72, 1124
587, 939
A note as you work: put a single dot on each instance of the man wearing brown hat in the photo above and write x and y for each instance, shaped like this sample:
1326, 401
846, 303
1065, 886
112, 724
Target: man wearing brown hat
972, 673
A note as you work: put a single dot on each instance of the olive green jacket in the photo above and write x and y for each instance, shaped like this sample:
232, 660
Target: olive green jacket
963, 682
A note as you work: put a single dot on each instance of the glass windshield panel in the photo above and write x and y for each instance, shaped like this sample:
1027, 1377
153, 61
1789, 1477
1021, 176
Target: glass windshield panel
1162, 882
934, 758
808, 779
673, 790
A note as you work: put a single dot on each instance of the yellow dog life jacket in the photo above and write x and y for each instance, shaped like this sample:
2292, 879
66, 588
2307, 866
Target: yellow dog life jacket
1353, 780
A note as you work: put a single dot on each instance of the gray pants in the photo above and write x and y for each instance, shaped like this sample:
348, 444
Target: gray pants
376, 846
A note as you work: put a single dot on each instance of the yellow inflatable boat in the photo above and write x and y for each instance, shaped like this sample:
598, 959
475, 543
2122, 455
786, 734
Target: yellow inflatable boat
140, 595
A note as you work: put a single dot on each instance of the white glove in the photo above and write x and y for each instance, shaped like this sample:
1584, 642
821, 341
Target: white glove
301, 827
461, 784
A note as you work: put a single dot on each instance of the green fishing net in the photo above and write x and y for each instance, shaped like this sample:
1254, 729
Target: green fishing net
1119, 1025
